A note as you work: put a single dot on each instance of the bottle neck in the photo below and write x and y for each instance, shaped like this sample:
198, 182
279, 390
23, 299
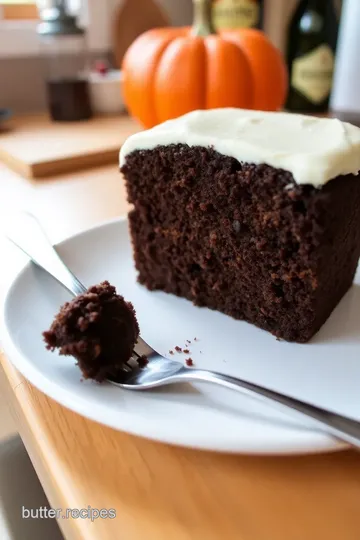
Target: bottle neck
319, 6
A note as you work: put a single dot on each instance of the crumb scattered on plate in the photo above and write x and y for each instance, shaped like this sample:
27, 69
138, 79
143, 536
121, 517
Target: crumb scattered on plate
189, 362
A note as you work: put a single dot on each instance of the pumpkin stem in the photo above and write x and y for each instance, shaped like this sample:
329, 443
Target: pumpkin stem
202, 25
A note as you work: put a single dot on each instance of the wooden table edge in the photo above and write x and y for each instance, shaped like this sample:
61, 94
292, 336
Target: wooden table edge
24, 418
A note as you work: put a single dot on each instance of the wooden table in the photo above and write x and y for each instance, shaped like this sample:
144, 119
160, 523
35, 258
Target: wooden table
160, 492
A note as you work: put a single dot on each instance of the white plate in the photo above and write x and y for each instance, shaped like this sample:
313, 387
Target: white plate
325, 372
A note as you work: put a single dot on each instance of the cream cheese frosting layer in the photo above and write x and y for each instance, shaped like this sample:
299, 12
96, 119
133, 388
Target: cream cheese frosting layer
314, 150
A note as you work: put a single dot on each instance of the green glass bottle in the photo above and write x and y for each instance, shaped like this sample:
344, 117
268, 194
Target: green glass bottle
311, 47
232, 14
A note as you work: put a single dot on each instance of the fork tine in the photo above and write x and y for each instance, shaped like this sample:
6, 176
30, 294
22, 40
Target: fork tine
133, 362
144, 349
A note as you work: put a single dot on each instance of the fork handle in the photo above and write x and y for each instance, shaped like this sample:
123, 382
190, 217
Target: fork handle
340, 426
28, 235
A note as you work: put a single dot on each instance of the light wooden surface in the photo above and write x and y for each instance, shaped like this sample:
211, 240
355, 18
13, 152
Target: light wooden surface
161, 492
36, 147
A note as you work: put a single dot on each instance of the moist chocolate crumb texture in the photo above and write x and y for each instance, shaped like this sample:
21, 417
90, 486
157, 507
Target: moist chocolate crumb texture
98, 328
254, 214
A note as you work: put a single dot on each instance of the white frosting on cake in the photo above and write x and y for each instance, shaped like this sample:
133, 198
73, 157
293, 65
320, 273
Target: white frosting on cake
314, 150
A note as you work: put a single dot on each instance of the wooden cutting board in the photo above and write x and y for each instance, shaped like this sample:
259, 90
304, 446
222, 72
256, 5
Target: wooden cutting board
36, 147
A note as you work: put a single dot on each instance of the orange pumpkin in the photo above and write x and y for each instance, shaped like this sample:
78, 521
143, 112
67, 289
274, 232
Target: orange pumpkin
171, 71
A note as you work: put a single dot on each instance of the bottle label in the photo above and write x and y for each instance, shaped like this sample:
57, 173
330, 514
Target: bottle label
312, 74
232, 14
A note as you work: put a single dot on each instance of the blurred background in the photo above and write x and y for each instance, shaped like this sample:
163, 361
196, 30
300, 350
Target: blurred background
111, 26
92, 63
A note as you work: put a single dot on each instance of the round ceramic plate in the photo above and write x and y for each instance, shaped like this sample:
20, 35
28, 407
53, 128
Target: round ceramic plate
325, 372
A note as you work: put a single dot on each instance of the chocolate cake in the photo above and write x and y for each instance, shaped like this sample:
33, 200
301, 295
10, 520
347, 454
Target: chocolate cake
99, 328
254, 214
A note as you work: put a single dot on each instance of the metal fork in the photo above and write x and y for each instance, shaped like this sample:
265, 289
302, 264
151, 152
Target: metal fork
28, 235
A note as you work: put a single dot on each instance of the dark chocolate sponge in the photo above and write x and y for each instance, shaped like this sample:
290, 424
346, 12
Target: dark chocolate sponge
241, 238
98, 328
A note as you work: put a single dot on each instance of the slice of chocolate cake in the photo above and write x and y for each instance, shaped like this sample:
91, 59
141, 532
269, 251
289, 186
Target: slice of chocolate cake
254, 214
